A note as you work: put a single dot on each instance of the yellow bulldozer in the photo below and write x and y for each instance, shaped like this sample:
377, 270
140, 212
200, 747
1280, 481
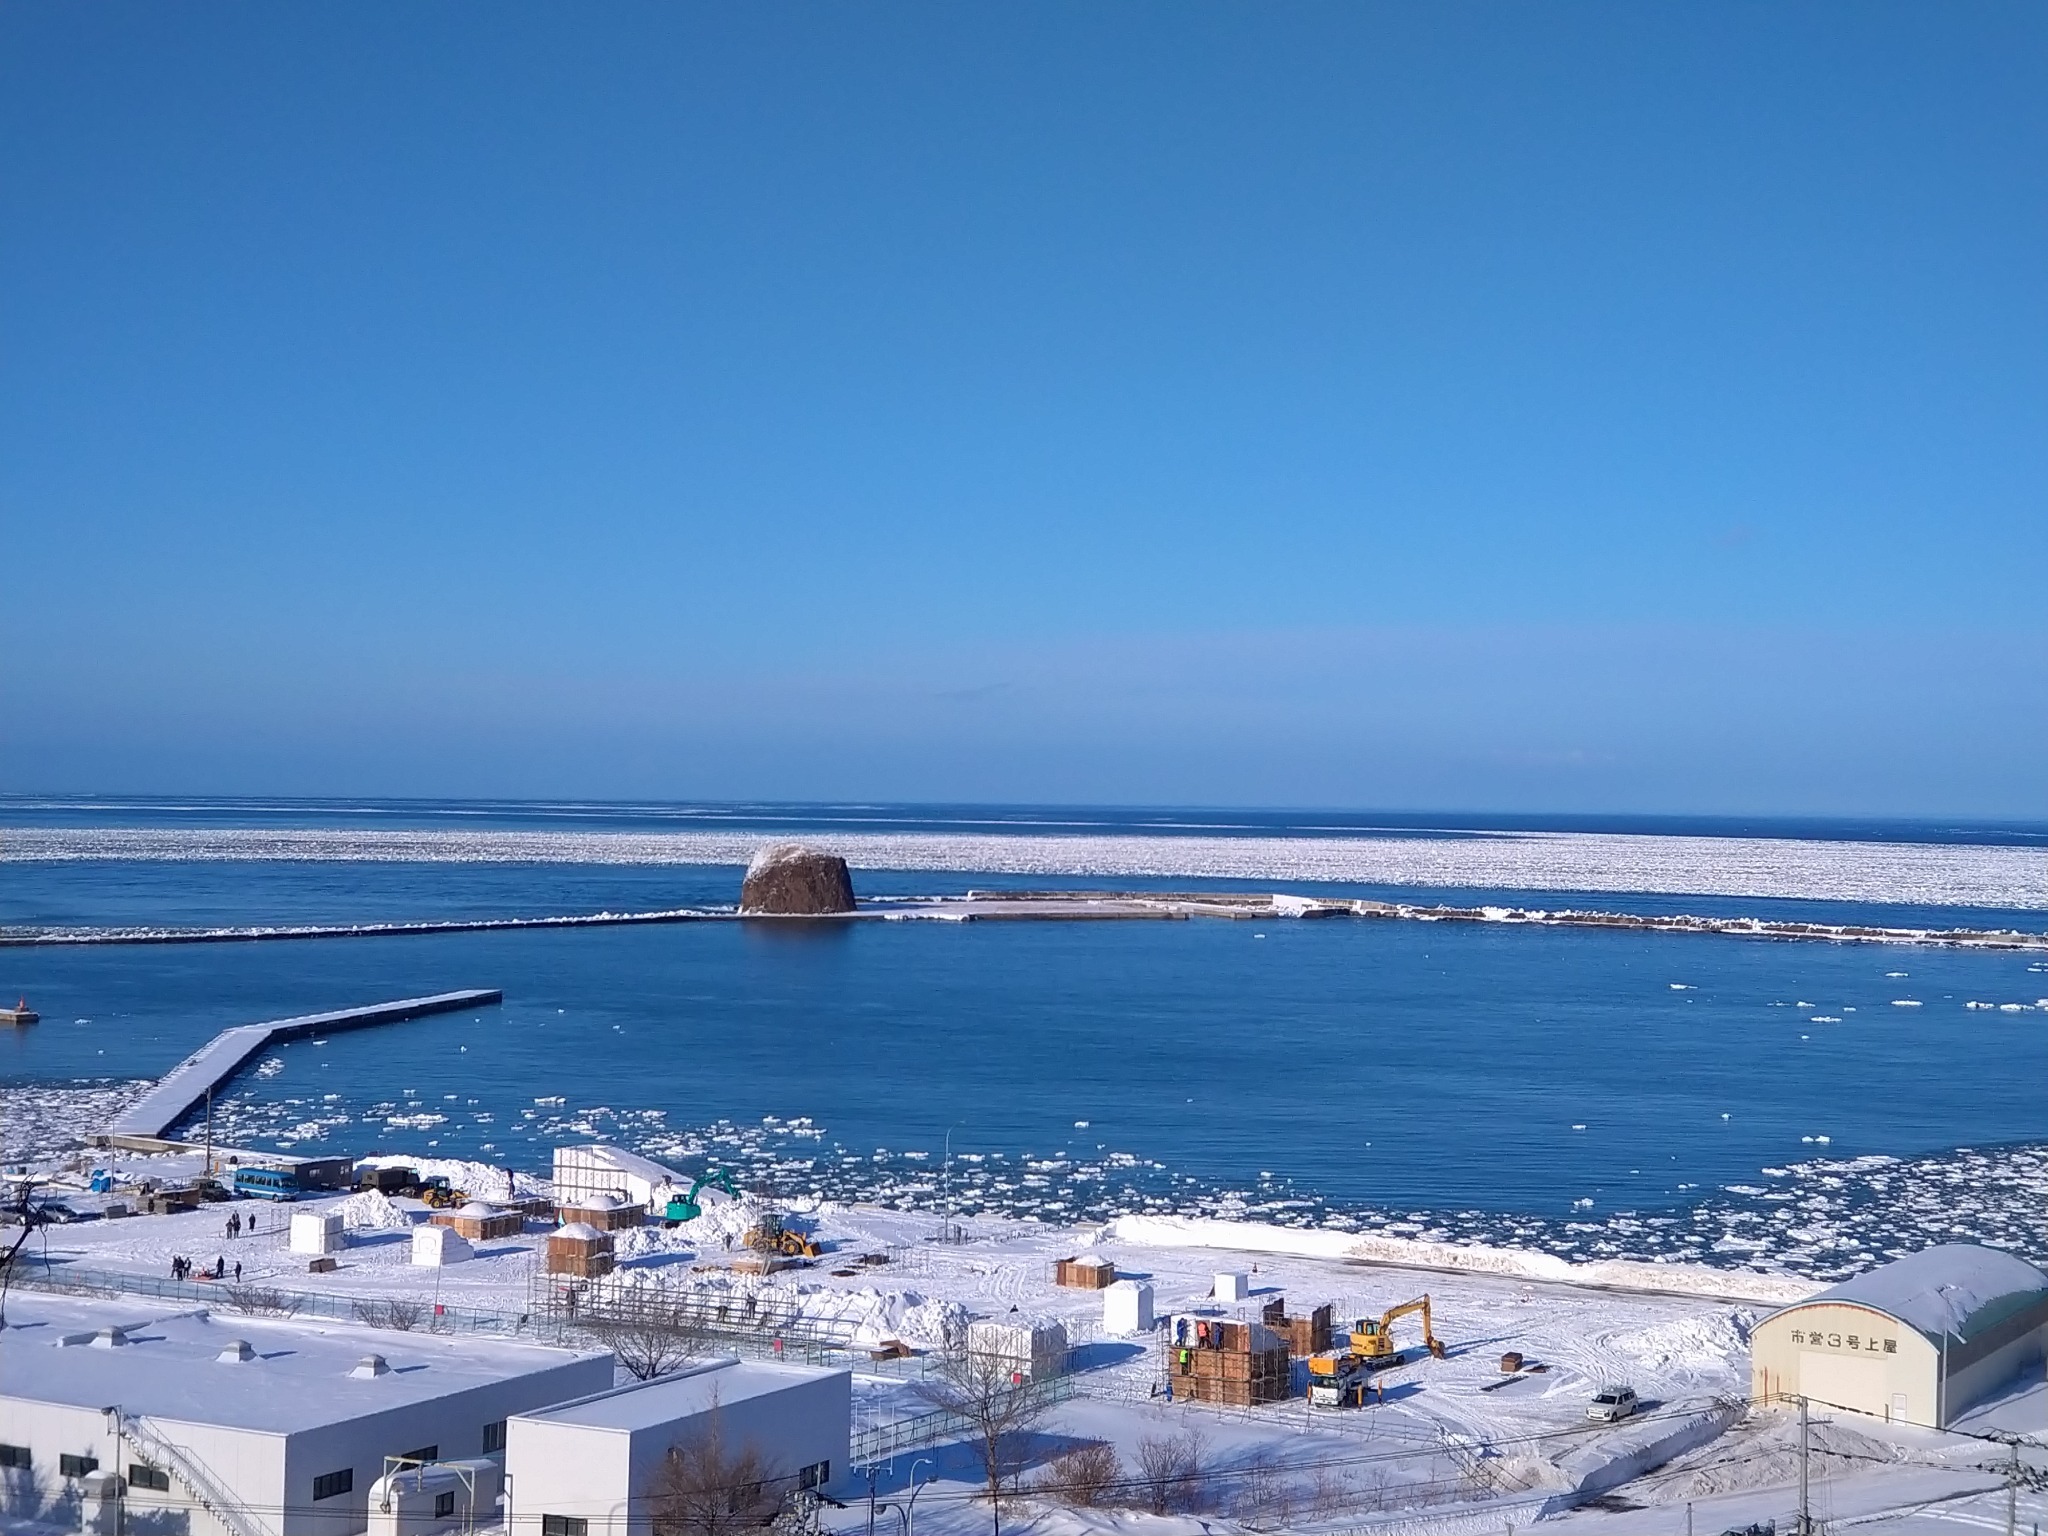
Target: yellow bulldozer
773, 1238
1372, 1338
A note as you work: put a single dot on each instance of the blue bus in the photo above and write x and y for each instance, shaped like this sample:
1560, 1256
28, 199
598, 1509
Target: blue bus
266, 1184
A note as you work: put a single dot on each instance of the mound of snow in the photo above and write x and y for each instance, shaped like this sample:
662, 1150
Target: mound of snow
1688, 1343
479, 1180
368, 1210
1463, 1258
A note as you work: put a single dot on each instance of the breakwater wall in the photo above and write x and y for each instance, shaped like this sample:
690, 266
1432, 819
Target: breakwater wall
185, 1086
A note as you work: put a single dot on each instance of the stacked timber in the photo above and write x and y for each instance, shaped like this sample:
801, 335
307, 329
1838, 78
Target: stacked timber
1304, 1335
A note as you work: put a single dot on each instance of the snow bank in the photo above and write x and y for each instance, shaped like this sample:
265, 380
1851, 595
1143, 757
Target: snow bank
863, 1317
1634, 1447
480, 1181
1460, 1258
369, 1210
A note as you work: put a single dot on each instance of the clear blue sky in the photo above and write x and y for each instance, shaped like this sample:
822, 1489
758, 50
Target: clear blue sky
1591, 406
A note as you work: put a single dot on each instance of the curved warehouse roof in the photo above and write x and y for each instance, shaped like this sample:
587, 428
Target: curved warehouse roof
1959, 1289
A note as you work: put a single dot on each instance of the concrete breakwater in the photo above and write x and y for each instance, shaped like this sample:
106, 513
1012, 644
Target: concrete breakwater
185, 1086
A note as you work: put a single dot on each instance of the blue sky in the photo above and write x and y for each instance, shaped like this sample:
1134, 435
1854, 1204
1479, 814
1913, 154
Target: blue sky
1591, 407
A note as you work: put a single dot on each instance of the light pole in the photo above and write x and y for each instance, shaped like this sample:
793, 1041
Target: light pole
910, 1509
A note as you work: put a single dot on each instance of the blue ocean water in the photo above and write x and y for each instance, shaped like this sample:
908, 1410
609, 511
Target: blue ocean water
1557, 1077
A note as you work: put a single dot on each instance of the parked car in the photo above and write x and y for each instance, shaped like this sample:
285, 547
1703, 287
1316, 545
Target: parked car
1611, 1404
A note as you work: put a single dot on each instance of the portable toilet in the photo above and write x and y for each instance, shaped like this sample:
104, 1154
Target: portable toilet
1127, 1308
436, 1246
1231, 1285
318, 1232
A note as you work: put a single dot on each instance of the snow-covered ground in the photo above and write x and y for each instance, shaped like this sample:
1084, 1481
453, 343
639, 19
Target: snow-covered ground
1456, 1446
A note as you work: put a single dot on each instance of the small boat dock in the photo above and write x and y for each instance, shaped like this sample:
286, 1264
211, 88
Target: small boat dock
181, 1090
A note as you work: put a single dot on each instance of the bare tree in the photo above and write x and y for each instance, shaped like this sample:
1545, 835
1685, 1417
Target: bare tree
708, 1487
400, 1312
263, 1301
1085, 1476
650, 1342
998, 1401
1170, 1469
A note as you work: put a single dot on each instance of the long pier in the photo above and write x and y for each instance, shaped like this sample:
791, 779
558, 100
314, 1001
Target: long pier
185, 1086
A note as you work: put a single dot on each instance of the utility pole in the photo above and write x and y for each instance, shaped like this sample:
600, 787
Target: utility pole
209, 1133
1805, 1451
2012, 1491
1688, 1517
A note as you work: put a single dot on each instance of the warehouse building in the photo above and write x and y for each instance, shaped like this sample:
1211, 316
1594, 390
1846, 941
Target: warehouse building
594, 1467
244, 1426
1918, 1341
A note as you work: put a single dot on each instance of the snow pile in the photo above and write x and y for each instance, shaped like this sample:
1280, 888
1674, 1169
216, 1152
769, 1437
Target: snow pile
1636, 1446
371, 1210
1466, 1258
1712, 1343
480, 1181
863, 1317
724, 1219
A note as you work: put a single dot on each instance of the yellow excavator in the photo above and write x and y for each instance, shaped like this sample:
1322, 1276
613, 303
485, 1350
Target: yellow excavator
1372, 1339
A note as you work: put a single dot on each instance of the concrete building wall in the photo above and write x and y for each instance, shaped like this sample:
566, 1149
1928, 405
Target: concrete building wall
799, 1426
453, 1425
604, 1475
568, 1471
1850, 1356
1854, 1357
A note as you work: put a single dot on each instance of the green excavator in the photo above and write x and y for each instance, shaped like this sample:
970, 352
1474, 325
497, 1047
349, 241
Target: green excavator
686, 1208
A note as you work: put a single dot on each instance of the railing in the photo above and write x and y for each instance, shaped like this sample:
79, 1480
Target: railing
213, 1497
260, 1300
880, 1441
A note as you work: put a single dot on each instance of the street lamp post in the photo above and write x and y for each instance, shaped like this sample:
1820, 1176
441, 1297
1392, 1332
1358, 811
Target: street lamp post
910, 1509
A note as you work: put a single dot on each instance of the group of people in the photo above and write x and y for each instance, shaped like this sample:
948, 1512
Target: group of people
181, 1269
236, 1223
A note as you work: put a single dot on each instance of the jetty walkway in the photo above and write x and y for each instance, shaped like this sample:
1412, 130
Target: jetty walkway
185, 1086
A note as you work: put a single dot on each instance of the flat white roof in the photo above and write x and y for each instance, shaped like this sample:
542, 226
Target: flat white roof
297, 1379
695, 1389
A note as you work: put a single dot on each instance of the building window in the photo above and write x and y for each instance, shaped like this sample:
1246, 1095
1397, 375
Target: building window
563, 1525
151, 1479
816, 1475
15, 1457
330, 1485
494, 1436
77, 1466
444, 1505
420, 1457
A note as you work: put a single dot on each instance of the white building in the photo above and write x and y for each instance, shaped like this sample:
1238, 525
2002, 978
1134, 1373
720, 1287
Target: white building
583, 1172
589, 1468
1917, 1341
247, 1426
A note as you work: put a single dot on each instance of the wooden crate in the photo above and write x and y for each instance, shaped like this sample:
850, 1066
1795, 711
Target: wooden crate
1084, 1274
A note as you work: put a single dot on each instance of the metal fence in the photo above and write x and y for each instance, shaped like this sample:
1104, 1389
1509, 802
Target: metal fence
878, 1442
